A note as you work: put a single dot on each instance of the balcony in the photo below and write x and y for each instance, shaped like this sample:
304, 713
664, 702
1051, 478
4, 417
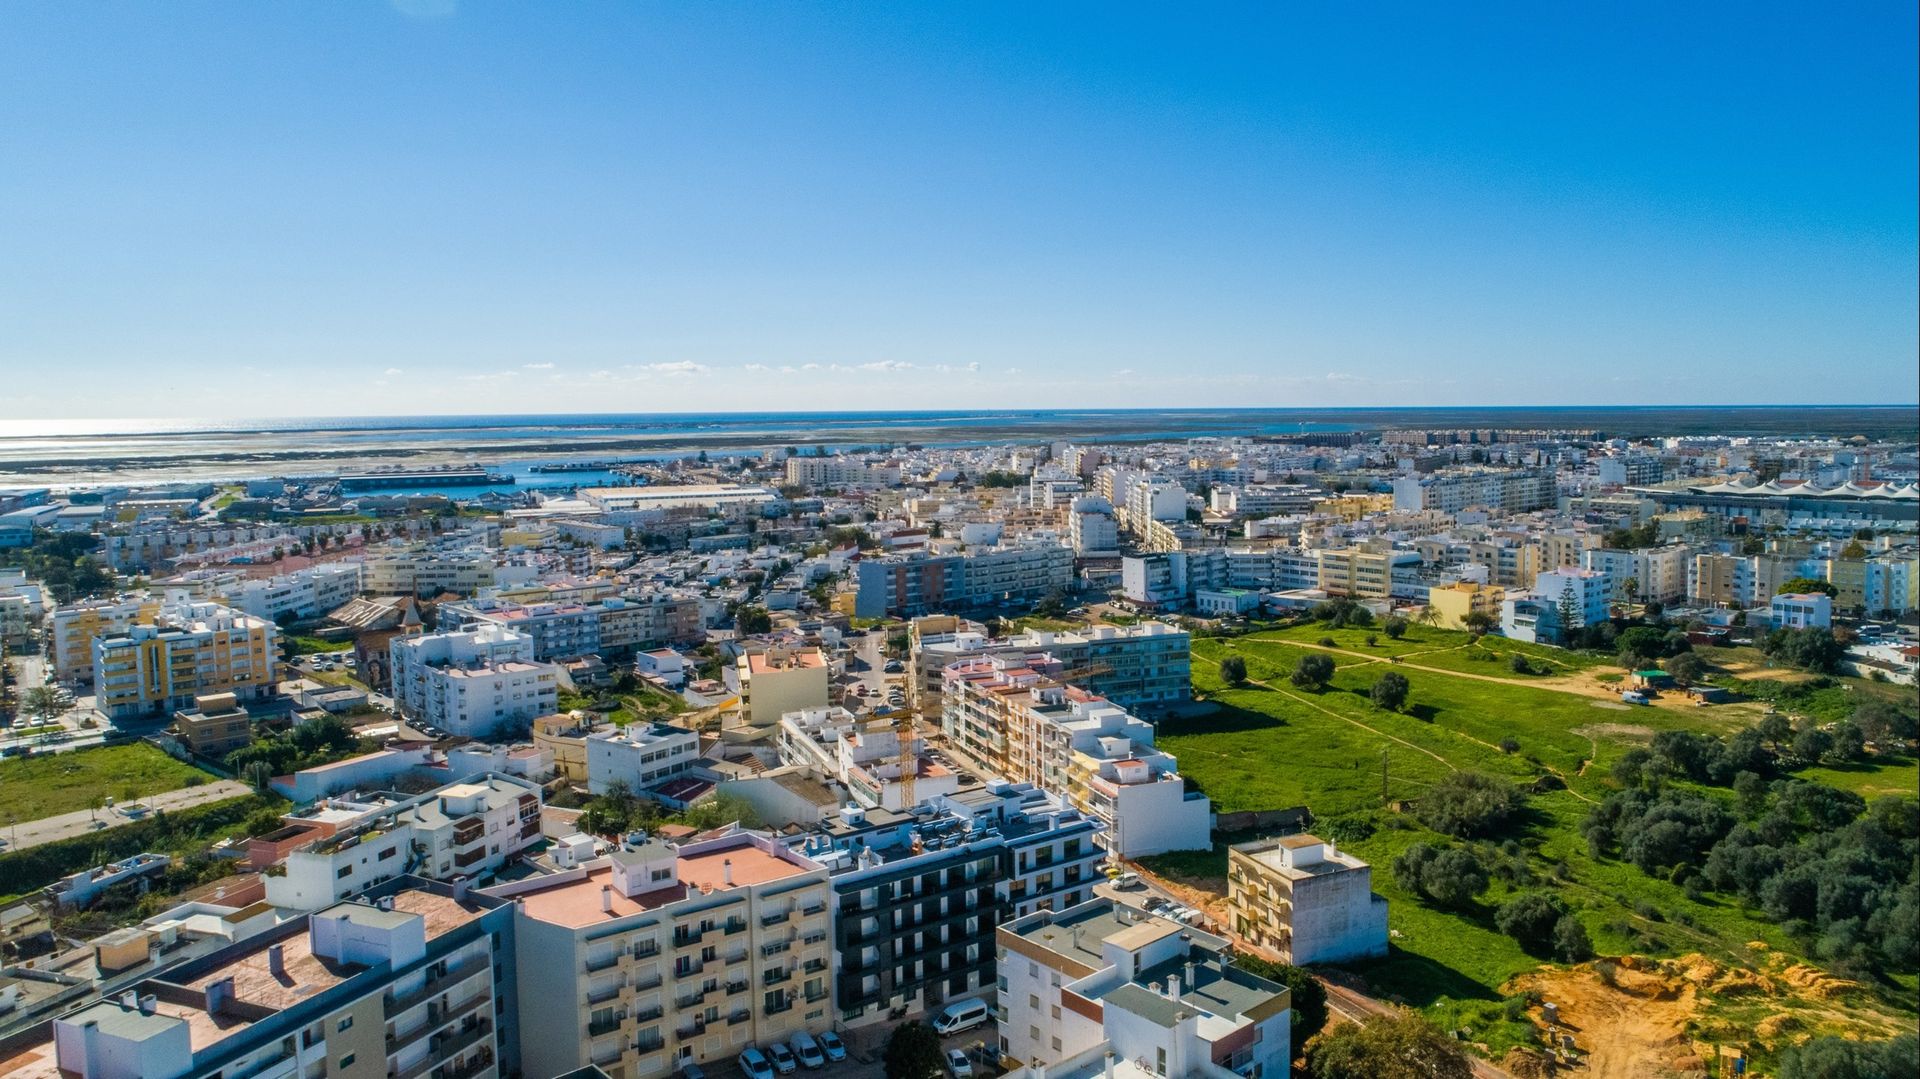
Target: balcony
468, 829
641, 985
691, 1000
816, 996
812, 909
683, 937
775, 919
736, 988
690, 1030
776, 977
601, 962
436, 984
468, 857
448, 1045
646, 949
688, 970
814, 966
649, 1014
437, 1017
603, 1026
773, 948
602, 995
735, 925
814, 937
481, 1061
649, 1045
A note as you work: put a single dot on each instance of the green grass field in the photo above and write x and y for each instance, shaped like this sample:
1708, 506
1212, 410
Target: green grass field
52, 784
1274, 746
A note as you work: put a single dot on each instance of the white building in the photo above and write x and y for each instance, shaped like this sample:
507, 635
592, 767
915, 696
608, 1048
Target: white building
469, 682
1801, 610
427, 573
639, 755
303, 593
466, 830
1495, 489
867, 759
1100, 989
1092, 528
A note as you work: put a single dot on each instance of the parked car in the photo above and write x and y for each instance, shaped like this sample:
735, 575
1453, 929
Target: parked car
831, 1045
960, 1015
690, 1070
755, 1064
807, 1051
1127, 880
783, 1059
958, 1065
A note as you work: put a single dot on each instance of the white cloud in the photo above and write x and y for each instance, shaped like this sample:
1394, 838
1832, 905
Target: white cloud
974, 366
391, 371
757, 368
809, 367
537, 366
497, 376
886, 365
1013, 370
1123, 372
675, 368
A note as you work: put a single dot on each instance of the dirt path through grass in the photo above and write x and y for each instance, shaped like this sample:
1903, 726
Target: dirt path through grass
1318, 707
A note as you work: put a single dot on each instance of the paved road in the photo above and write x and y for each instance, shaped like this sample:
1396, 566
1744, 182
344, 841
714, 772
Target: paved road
82, 822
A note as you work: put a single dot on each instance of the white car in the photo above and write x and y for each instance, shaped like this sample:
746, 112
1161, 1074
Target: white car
958, 1065
754, 1064
831, 1045
784, 1061
807, 1050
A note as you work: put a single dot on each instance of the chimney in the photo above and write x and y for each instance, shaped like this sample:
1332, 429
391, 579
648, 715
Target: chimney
149, 1004
460, 887
277, 960
606, 899
1173, 988
726, 872
1106, 1069
130, 999
219, 995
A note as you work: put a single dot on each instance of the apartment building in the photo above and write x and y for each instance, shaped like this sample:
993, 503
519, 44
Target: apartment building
1142, 666
841, 472
661, 954
1093, 529
616, 626
1155, 500
1264, 500
471, 682
402, 986
914, 584
464, 830
1356, 571
1030, 728
1629, 468
1512, 561
1304, 901
1542, 615
304, 593
1890, 582
781, 680
1453, 602
639, 756
73, 628
1657, 573
1501, 491
427, 573
187, 650
918, 895
1098, 987
867, 759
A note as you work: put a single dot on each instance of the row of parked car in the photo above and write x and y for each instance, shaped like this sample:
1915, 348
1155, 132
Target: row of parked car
803, 1050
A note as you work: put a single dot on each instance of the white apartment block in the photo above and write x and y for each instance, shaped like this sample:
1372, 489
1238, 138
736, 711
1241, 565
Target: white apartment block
303, 593
662, 955
427, 573
467, 830
1498, 490
1081, 747
920, 583
639, 756
841, 472
1658, 573
1155, 500
469, 682
1092, 528
1100, 989
1810, 610
1305, 901
401, 988
1144, 665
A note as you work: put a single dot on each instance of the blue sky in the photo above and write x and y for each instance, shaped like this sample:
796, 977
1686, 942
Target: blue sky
431, 206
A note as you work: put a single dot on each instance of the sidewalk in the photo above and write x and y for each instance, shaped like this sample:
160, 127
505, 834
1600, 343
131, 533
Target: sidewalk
82, 822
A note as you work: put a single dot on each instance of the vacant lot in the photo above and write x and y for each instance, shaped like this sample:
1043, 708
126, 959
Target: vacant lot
1273, 746
43, 786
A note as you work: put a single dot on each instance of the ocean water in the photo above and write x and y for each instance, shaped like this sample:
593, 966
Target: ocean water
78, 452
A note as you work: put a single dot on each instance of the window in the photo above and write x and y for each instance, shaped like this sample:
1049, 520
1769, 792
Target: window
346, 1061
346, 1023
345, 872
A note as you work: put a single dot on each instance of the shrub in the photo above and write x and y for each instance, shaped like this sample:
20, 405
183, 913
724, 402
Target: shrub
1233, 670
1389, 691
1396, 627
1312, 672
1531, 918
1518, 664
1469, 804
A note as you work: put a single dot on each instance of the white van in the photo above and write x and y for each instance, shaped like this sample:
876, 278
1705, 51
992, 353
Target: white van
960, 1015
